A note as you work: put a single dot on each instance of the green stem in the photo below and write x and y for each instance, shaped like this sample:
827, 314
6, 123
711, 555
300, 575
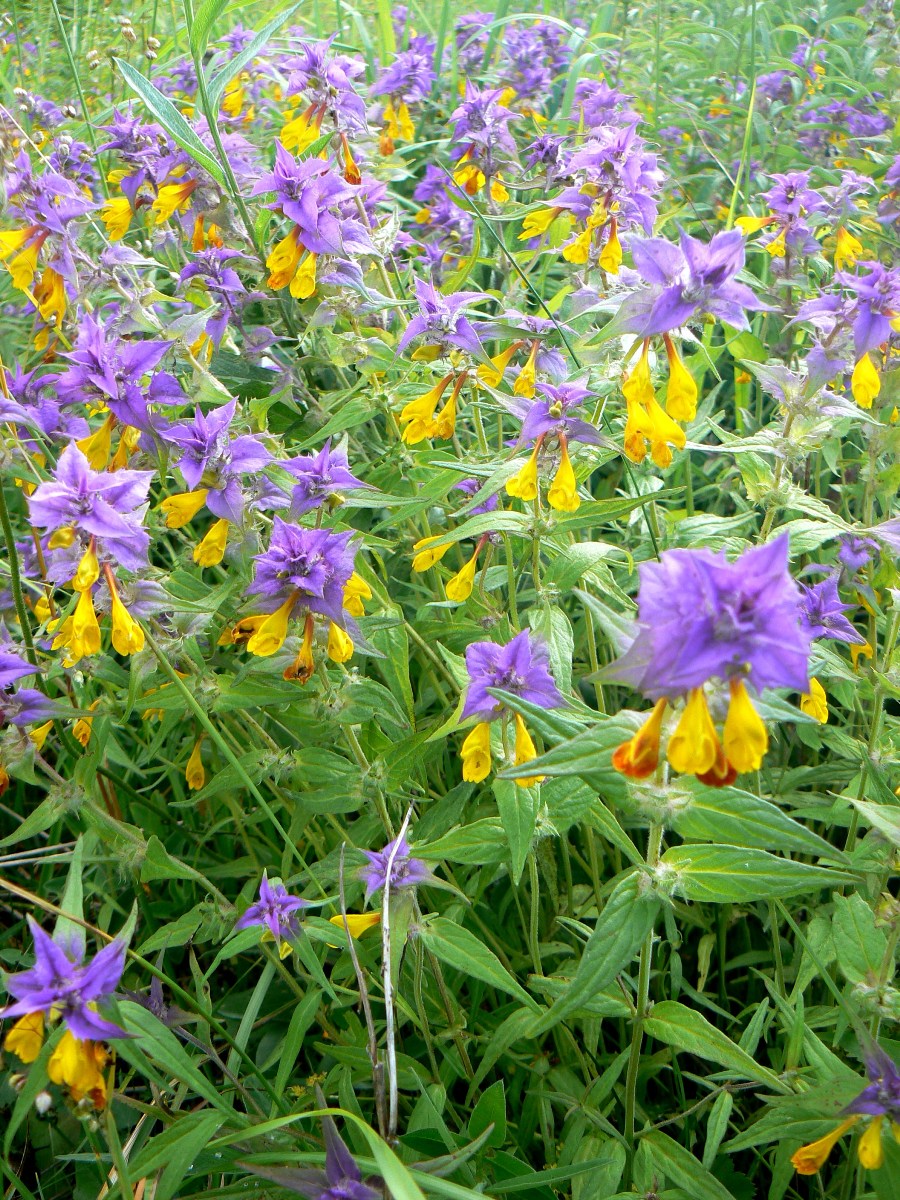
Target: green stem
534, 915
642, 1002
15, 579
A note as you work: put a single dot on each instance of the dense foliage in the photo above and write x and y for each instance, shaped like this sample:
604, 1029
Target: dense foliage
449, 601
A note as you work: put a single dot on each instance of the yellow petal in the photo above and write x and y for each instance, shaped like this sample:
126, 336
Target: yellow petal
693, 747
815, 702
744, 737
26, 1037
476, 753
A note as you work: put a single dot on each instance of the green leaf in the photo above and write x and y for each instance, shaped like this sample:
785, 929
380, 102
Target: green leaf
205, 14
161, 1045
676, 1025
681, 1168
627, 918
490, 1110
459, 948
72, 904
479, 843
171, 120
883, 817
175, 1150
216, 87
518, 815
741, 819
861, 947
725, 874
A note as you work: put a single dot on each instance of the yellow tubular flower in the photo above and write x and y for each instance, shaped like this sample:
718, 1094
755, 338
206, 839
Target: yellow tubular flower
128, 440
340, 644
418, 415
776, 247
97, 445
210, 551
809, 1159
748, 225
304, 664
444, 424
428, 554
847, 249
356, 590
459, 588
406, 129
524, 385
79, 1065
525, 752
357, 923
681, 390
88, 571
563, 493
62, 539
269, 637
538, 222
870, 1151
283, 260
476, 753
611, 254
194, 773
300, 133
116, 215
39, 735
233, 100
127, 635
577, 252
860, 651
183, 507
744, 737
303, 285
14, 239
639, 756
865, 383
501, 361
524, 483
499, 194
638, 385
172, 197
664, 432
26, 1037
815, 702
50, 294
693, 747
84, 636
23, 267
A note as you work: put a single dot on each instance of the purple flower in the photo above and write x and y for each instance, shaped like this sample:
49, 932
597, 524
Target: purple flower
472, 487
410, 76
554, 413
95, 504
822, 613
877, 305
341, 1179
313, 565
12, 665
405, 871
110, 369
521, 667
701, 617
855, 551
209, 456
616, 162
61, 983
441, 320
687, 282
25, 707
319, 476
882, 1096
791, 196
274, 909
307, 192
326, 81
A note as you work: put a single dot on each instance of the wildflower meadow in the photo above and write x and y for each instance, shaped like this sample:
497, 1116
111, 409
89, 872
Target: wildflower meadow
449, 600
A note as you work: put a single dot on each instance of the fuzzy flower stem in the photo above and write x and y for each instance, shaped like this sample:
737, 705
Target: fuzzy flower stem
776, 482
15, 579
654, 841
